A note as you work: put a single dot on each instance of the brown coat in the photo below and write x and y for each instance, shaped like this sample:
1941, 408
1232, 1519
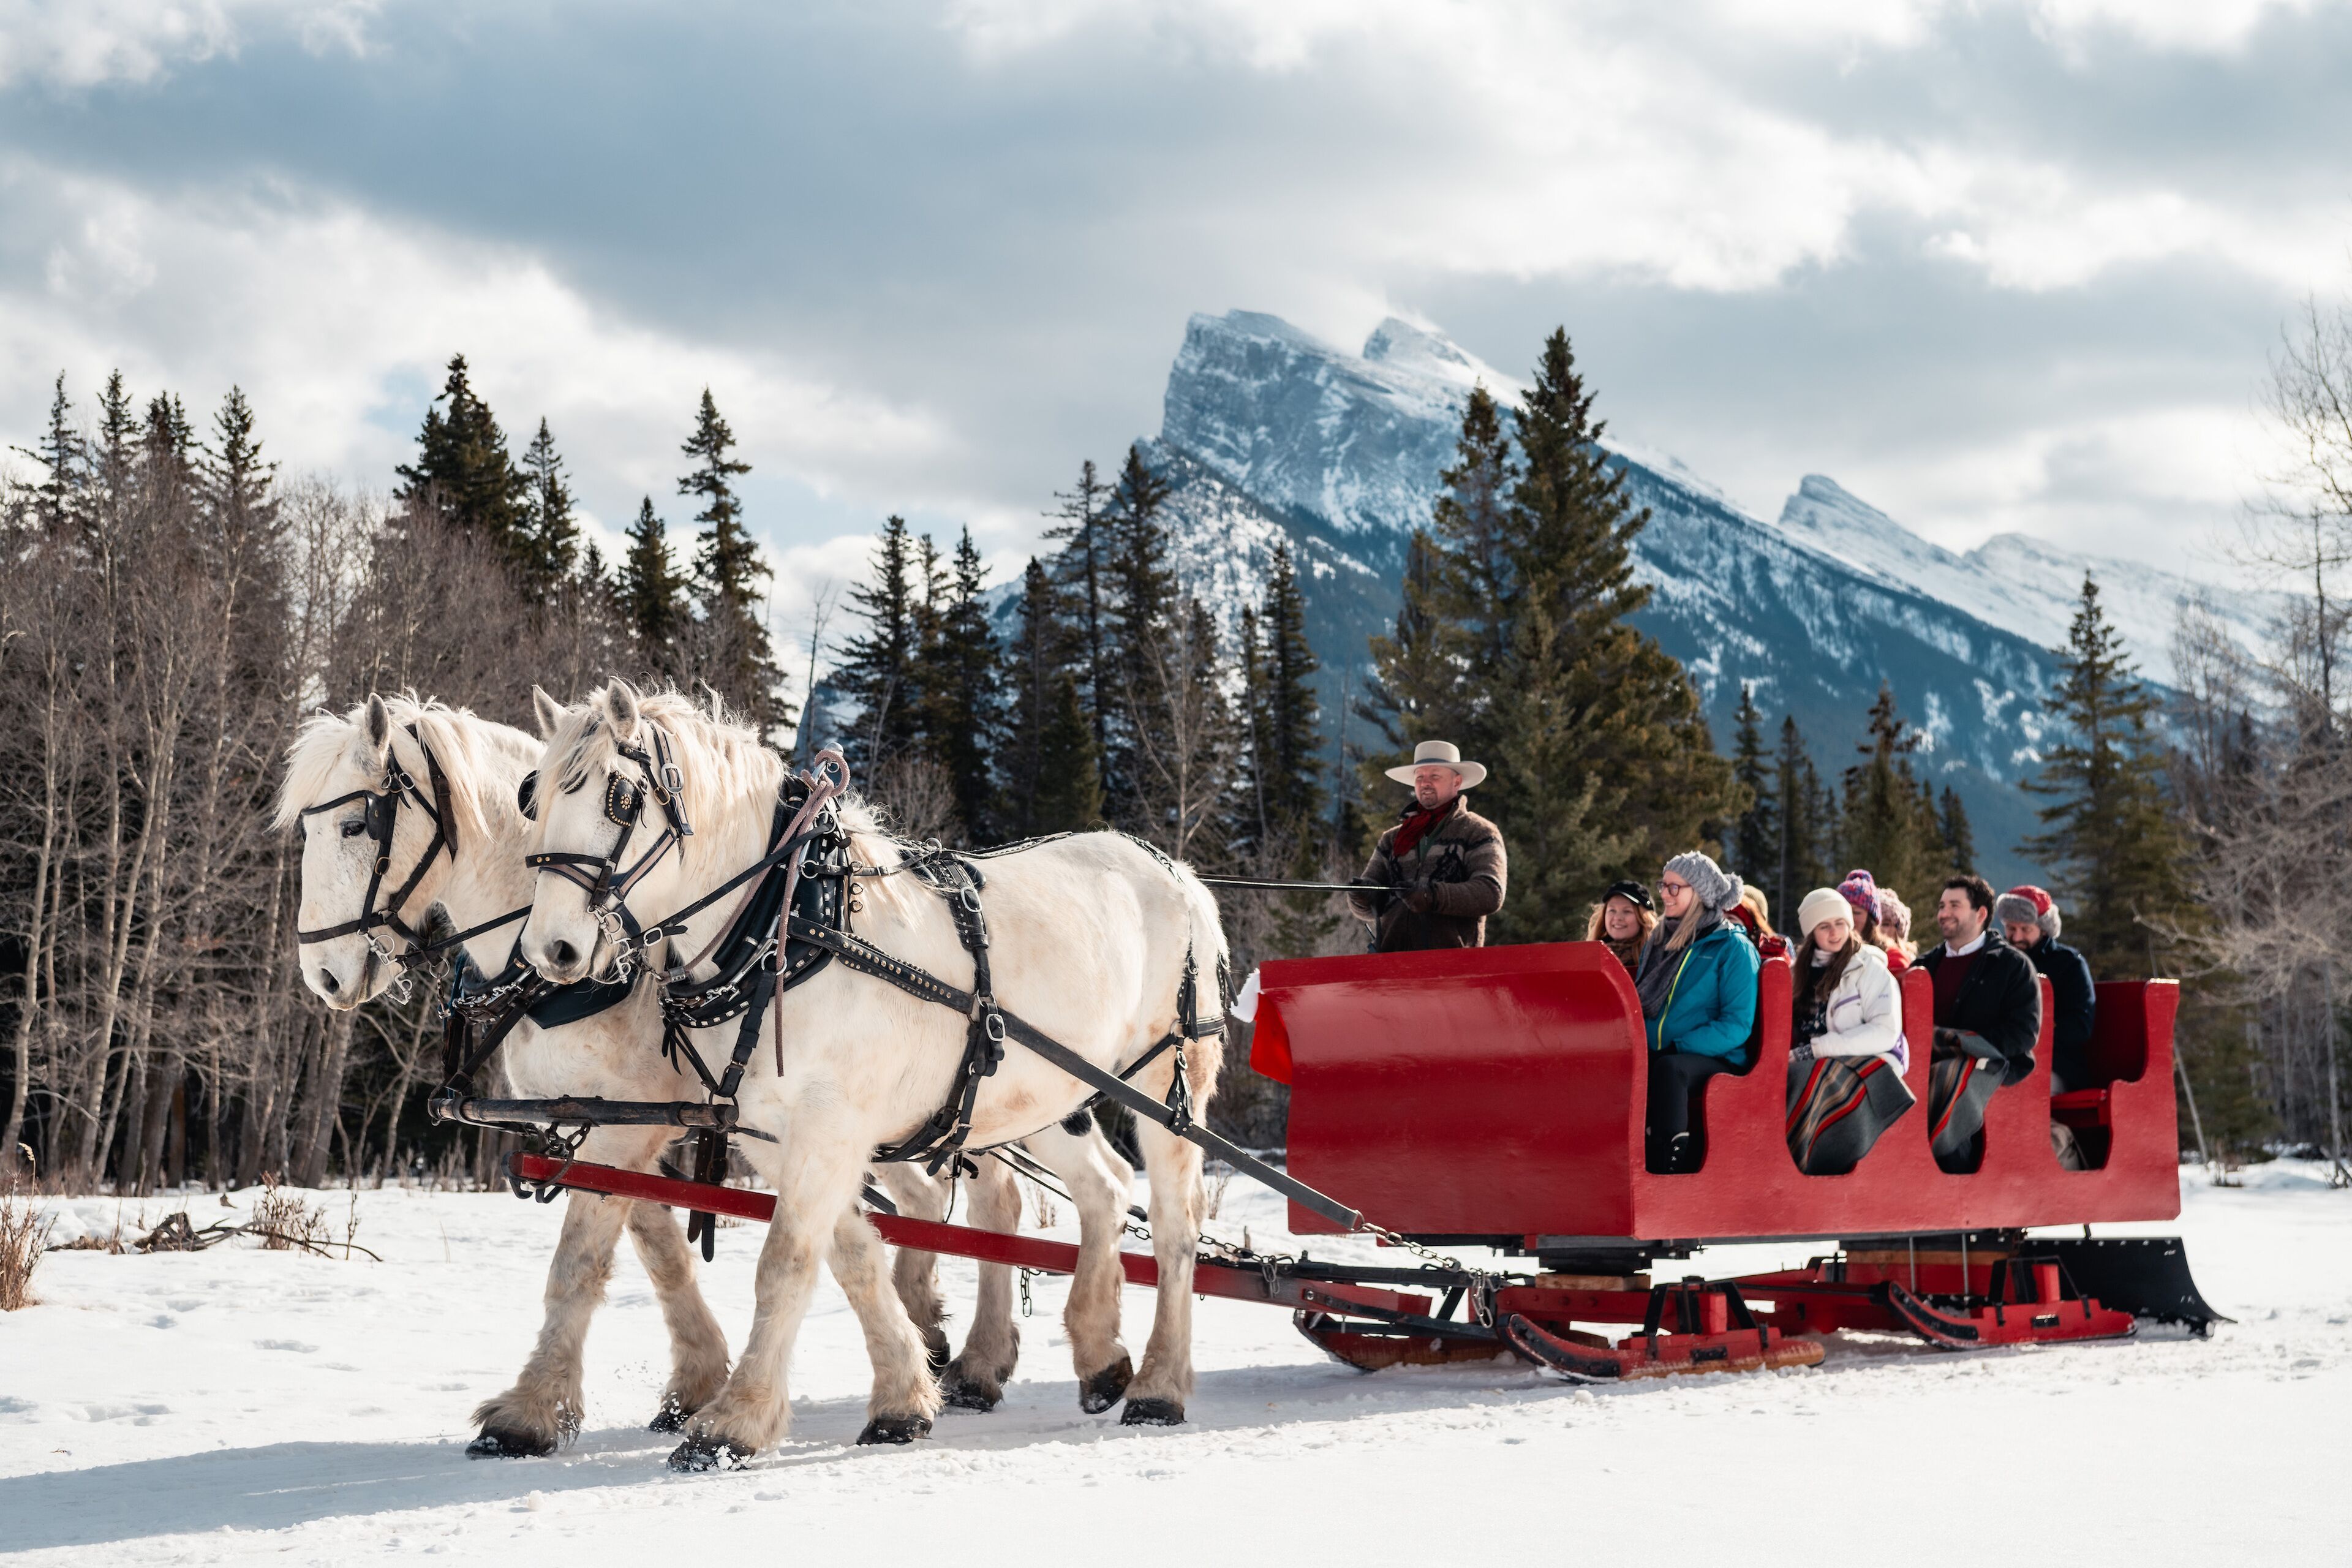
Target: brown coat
1461, 861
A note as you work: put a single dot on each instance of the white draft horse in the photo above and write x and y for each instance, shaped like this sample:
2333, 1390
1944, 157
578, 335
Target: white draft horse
336, 770
1091, 939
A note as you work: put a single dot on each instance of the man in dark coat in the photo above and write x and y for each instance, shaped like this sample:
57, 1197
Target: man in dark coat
1988, 1020
2030, 917
1441, 870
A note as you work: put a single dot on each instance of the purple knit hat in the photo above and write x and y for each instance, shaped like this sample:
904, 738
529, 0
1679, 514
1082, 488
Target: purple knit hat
1893, 915
1861, 890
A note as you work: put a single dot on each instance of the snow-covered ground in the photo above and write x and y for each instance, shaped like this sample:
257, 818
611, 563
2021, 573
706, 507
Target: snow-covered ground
239, 1405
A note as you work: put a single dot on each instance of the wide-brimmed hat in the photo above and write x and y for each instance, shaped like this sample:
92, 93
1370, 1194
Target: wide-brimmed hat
1442, 753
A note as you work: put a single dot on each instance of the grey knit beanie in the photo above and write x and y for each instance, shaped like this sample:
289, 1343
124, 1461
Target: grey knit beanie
1716, 888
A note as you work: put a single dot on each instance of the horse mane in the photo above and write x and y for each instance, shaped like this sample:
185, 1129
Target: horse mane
721, 762
464, 745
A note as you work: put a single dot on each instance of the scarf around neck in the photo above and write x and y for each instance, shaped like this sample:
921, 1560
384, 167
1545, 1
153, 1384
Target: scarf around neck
1418, 825
1662, 957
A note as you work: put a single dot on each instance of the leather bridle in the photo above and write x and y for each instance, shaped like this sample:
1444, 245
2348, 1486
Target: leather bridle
601, 877
383, 820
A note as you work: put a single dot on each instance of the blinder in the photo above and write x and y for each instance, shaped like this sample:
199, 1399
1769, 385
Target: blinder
622, 803
527, 795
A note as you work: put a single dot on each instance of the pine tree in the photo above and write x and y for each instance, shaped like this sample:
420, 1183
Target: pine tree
64, 459
168, 445
878, 669
738, 659
1418, 691
1084, 566
1050, 781
463, 473
552, 534
2115, 847
1629, 774
113, 466
651, 596
1284, 767
1959, 838
1566, 824
1755, 836
1143, 636
1890, 827
1474, 518
235, 480
962, 717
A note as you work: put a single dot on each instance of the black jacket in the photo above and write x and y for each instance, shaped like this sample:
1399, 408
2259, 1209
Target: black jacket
2073, 1005
2001, 1000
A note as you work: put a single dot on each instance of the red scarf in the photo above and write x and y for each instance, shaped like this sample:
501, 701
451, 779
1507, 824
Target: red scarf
1417, 826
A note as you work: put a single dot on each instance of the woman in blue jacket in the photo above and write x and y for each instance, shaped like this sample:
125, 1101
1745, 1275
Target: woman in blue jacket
1698, 984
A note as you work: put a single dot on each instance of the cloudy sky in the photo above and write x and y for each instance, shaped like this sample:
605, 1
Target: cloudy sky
1992, 267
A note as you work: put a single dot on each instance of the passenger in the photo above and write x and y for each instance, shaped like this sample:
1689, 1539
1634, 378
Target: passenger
1847, 1055
1755, 914
1988, 1018
1860, 889
1439, 872
1623, 918
2029, 916
1698, 984
1894, 925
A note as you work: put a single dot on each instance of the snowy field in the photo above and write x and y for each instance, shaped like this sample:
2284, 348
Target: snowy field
238, 1406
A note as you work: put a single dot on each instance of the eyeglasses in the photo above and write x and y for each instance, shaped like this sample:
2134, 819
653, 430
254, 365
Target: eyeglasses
1674, 887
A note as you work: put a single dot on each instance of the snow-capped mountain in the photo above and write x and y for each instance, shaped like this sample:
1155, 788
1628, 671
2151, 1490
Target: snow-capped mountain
1267, 428
2020, 584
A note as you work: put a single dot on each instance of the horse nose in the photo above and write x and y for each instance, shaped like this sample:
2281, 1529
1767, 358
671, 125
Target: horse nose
328, 982
562, 954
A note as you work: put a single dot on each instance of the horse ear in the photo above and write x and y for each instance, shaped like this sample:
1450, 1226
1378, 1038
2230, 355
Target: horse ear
379, 727
549, 712
620, 707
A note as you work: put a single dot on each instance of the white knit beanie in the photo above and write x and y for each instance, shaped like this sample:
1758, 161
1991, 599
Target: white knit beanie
1822, 904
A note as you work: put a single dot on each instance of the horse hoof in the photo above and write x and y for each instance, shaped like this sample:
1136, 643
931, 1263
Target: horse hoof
1152, 1413
1107, 1387
700, 1454
505, 1443
963, 1392
895, 1429
671, 1417
936, 1351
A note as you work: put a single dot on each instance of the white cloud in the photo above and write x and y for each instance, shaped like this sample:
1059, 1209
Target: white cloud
335, 320
82, 43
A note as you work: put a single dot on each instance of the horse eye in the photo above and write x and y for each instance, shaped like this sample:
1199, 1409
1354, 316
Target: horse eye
354, 825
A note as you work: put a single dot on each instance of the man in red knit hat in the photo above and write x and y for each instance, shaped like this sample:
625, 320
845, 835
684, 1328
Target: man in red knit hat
2030, 917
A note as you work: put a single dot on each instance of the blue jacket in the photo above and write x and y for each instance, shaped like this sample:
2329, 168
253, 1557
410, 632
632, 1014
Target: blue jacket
1711, 1010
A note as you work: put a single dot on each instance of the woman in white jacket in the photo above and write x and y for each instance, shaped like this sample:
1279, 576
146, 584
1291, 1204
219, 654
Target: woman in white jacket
1846, 1050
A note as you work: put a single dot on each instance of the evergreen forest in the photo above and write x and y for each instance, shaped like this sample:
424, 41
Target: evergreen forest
174, 605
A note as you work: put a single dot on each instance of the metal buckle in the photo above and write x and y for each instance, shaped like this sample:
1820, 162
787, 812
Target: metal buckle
993, 1026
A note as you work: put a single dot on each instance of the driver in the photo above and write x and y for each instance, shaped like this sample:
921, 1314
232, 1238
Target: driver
1439, 872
